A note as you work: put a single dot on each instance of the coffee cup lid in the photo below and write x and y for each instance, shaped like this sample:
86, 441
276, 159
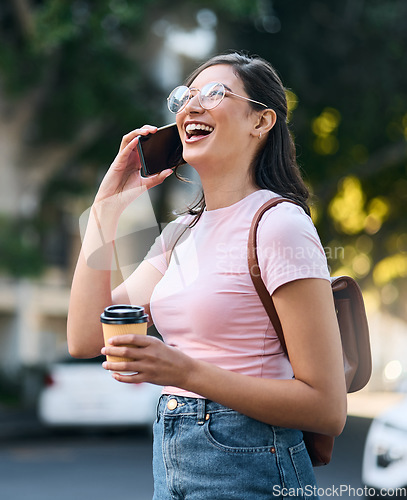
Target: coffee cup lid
121, 314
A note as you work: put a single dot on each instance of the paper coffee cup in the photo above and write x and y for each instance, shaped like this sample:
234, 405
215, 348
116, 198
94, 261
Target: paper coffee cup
123, 319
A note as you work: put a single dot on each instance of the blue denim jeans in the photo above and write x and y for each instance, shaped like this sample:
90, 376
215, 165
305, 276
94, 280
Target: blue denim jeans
205, 451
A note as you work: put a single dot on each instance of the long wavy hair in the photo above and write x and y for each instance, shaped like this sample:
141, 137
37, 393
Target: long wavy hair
275, 167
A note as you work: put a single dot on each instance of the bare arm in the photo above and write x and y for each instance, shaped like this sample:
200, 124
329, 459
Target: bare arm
315, 400
91, 286
91, 293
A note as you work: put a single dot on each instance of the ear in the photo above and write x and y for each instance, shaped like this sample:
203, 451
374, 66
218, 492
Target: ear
266, 121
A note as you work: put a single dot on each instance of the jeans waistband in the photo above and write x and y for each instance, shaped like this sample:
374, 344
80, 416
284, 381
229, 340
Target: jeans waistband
173, 406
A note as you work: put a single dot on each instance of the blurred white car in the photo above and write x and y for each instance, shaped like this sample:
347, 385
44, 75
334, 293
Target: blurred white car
385, 456
81, 393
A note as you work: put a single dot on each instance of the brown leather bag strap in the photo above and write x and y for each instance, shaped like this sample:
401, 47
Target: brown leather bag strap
255, 271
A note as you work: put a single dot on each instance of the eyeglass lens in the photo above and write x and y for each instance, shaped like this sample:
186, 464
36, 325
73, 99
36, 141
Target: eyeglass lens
209, 96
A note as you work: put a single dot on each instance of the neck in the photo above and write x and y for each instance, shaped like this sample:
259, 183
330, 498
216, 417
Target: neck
224, 191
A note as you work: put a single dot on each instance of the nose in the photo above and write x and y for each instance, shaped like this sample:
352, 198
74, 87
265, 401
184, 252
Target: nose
193, 105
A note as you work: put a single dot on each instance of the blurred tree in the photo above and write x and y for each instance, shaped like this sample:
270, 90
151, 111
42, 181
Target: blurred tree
346, 65
68, 80
74, 77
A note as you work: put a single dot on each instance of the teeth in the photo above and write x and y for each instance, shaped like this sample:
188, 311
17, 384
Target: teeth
198, 126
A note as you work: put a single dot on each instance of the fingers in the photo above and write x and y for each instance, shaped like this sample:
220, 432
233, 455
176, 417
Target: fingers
128, 379
127, 346
129, 146
149, 359
120, 366
156, 179
145, 130
127, 162
119, 370
122, 159
132, 339
133, 348
132, 365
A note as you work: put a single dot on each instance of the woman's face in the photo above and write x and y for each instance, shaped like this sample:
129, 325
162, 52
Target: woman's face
227, 139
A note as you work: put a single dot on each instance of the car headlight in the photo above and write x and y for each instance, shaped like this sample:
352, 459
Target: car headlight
386, 456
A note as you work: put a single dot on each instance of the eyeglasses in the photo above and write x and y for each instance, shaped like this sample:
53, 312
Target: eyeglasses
210, 96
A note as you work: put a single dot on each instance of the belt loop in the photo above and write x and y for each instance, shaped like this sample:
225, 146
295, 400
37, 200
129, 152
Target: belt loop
201, 411
158, 410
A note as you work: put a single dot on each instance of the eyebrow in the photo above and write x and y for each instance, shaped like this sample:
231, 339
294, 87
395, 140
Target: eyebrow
224, 84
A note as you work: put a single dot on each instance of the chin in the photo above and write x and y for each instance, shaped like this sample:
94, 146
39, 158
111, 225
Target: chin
199, 161
198, 152
193, 157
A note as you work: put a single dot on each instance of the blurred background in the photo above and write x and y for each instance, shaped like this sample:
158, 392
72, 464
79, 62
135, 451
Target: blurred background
76, 76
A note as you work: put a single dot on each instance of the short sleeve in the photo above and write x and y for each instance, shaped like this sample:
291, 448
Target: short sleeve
289, 247
160, 252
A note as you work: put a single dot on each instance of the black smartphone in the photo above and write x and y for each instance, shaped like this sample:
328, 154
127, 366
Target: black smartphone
161, 150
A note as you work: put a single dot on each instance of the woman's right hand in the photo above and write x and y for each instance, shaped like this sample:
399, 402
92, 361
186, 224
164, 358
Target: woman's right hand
123, 182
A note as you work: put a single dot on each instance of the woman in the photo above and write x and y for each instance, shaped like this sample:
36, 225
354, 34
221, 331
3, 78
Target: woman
227, 422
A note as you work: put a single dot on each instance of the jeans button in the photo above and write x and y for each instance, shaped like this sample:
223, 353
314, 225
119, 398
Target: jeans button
172, 404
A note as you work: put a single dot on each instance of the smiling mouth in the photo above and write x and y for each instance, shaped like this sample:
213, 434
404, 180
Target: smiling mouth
198, 129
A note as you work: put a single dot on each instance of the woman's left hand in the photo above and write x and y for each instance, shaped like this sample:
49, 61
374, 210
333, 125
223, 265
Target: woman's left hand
151, 359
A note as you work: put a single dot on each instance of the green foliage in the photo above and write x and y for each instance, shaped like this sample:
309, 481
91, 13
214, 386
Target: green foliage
20, 252
347, 65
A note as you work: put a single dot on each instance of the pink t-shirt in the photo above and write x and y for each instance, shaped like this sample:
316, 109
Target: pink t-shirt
206, 304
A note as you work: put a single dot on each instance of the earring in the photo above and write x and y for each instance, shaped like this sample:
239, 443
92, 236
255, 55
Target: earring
259, 136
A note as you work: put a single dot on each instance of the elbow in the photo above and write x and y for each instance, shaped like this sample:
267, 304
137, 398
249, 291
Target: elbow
341, 412
75, 349
82, 350
327, 414
77, 352
341, 420
334, 419
336, 425
78, 347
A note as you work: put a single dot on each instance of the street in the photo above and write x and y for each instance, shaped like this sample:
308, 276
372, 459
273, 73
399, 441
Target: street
77, 466
90, 466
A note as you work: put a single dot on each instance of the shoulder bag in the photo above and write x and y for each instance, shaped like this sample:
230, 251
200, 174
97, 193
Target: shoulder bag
353, 328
